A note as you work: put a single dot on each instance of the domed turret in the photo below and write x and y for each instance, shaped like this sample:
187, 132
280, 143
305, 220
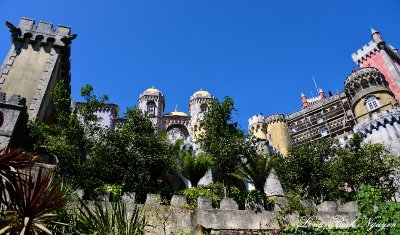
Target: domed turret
368, 92
200, 103
177, 113
152, 91
152, 103
201, 94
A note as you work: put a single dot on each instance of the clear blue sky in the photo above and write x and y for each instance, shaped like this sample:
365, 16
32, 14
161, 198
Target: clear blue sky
262, 53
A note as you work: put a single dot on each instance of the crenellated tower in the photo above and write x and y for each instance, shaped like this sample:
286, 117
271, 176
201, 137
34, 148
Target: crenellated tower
383, 56
375, 108
152, 103
368, 93
258, 127
274, 129
39, 57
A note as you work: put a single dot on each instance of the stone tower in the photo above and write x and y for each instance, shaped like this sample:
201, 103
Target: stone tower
274, 129
379, 54
258, 127
375, 108
37, 60
368, 93
278, 132
200, 102
152, 103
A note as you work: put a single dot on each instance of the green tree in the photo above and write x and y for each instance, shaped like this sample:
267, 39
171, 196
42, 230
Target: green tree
326, 171
256, 168
193, 166
132, 155
358, 164
70, 136
222, 139
308, 167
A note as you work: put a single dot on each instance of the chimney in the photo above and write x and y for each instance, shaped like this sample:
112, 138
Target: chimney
304, 100
321, 94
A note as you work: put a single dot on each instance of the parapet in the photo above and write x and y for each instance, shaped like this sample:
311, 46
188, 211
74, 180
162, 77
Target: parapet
364, 72
275, 118
364, 52
377, 120
259, 118
108, 108
227, 217
61, 36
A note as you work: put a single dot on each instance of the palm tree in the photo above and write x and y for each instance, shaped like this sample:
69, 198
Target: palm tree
193, 166
256, 168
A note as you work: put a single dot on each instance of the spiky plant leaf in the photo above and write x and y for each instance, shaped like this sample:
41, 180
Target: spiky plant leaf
38, 193
115, 219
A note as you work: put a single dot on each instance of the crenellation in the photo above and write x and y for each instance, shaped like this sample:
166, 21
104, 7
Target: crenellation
366, 50
227, 216
259, 118
275, 118
44, 31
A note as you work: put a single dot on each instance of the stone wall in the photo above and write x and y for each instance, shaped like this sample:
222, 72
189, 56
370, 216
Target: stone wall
178, 217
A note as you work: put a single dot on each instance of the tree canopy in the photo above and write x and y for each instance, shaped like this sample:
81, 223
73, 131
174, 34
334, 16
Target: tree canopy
132, 155
222, 139
326, 171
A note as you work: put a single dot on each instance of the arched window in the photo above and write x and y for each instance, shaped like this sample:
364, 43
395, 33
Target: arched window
204, 108
371, 102
151, 108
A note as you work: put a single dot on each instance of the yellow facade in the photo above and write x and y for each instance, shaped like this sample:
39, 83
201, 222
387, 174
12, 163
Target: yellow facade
386, 101
278, 136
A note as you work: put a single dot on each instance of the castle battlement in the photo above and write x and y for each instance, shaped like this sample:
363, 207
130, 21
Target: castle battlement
106, 108
365, 51
317, 105
228, 217
377, 120
275, 118
60, 36
361, 73
259, 118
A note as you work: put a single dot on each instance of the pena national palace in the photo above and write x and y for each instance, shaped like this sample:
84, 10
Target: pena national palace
368, 105
39, 57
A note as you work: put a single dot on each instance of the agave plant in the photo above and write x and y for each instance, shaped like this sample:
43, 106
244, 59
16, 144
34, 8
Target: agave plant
104, 218
37, 195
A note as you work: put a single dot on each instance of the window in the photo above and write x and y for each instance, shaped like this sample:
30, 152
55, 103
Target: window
151, 108
371, 102
204, 108
323, 130
319, 117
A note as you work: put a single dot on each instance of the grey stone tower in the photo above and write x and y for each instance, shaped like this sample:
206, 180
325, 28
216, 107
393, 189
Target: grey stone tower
37, 60
200, 103
152, 103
